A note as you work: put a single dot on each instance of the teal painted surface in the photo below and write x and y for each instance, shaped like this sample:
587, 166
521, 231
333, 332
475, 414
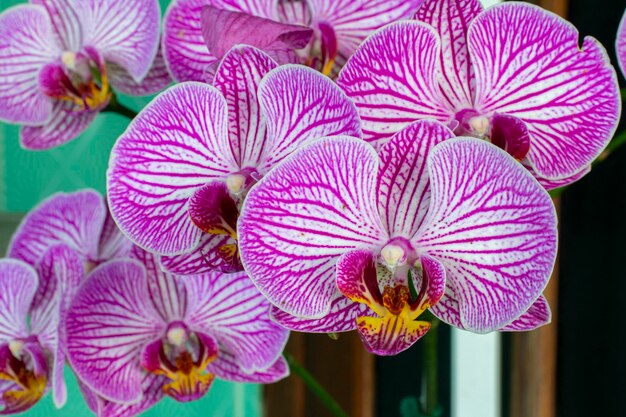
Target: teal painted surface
27, 177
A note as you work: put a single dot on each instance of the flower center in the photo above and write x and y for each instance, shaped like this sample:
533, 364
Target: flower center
79, 78
23, 364
183, 357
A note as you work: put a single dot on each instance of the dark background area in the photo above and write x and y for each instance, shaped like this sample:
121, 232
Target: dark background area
592, 275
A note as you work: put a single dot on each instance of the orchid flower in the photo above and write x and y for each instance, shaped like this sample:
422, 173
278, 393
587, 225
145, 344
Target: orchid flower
136, 334
78, 220
338, 237
32, 350
60, 59
620, 44
179, 174
513, 74
198, 32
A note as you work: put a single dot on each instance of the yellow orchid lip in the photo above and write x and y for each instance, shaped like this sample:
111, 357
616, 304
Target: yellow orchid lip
28, 387
190, 381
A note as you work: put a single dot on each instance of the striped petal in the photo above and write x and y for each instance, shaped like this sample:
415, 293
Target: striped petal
184, 49
73, 219
537, 315
18, 285
60, 273
166, 292
66, 22
238, 79
171, 149
222, 29
157, 78
267, 9
229, 308
65, 124
113, 244
451, 19
493, 227
393, 79
302, 216
126, 33
205, 257
355, 20
26, 46
403, 184
226, 367
301, 104
108, 324
528, 64
341, 318
620, 44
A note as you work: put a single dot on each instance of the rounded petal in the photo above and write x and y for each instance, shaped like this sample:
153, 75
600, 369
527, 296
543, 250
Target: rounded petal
620, 44
355, 20
108, 324
529, 65
537, 315
303, 215
451, 19
126, 33
157, 78
186, 54
66, 22
205, 257
229, 308
392, 78
26, 46
73, 219
172, 148
238, 78
301, 104
493, 227
403, 183
18, 284
152, 387
64, 125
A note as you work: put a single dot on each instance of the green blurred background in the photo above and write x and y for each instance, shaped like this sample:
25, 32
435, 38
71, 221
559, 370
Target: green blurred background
27, 177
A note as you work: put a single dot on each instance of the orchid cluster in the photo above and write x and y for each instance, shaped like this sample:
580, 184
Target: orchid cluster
320, 166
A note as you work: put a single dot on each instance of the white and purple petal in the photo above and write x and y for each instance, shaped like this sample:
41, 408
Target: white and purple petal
620, 44
392, 78
403, 184
157, 78
238, 78
18, 285
303, 215
108, 324
178, 143
73, 219
205, 257
537, 315
528, 64
354, 20
26, 46
493, 227
229, 308
451, 20
66, 22
301, 104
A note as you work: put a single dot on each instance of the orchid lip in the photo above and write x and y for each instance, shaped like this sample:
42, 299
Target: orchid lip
21, 368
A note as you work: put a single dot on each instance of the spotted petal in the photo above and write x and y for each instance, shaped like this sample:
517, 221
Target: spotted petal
302, 216
451, 19
64, 124
537, 315
403, 184
18, 284
355, 20
73, 219
109, 322
26, 46
528, 64
172, 148
393, 81
493, 227
238, 79
229, 308
300, 105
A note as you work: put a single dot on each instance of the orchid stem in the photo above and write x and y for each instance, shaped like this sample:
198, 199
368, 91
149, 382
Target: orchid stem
116, 107
430, 380
315, 387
